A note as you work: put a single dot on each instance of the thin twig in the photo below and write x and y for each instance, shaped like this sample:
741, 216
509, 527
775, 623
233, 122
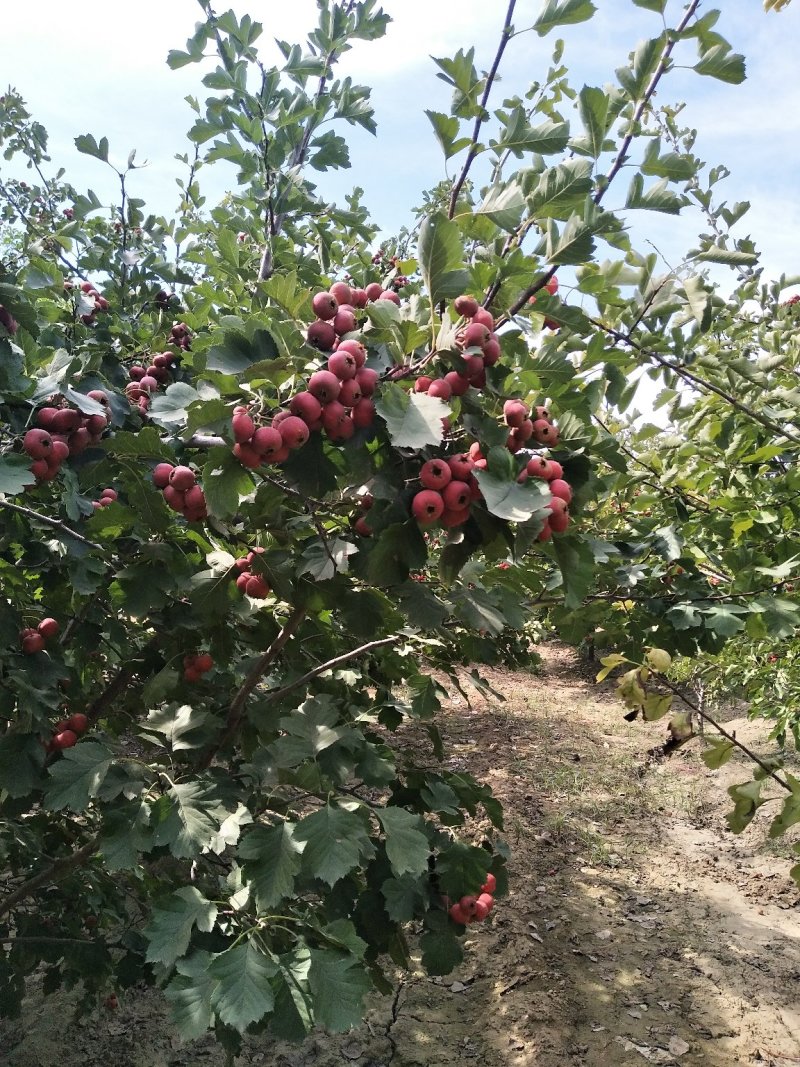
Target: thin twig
505, 37
55, 523
276, 694
54, 873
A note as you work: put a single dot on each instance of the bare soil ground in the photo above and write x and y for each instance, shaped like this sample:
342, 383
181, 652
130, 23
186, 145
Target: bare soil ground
638, 930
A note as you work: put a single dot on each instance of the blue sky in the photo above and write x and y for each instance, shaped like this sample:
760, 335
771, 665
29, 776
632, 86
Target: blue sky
82, 71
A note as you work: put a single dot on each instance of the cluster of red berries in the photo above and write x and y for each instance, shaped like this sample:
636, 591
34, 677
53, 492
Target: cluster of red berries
540, 428
253, 585
551, 287
449, 490
67, 732
479, 347
181, 491
99, 301
146, 380
360, 524
196, 665
35, 640
180, 335
62, 432
551, 472
108, 496
473, 909
336, 311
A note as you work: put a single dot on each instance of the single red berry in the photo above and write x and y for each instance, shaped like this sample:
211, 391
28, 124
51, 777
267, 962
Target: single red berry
182, 478
48, 628
435, 474
65, 739
466, 306
78, 723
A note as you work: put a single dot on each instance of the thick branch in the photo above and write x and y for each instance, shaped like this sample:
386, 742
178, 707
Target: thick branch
254, 676
55, 523
118, 684
505, 37
54, 873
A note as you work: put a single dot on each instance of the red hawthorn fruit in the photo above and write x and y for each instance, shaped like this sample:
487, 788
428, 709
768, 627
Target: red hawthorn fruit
109, 494
32, 644
324, 305
466, 306
65, 739
204, 662
294, 432
40, 469
552, 285
192, 674
162, 360
544, 432
479, 381
281, 455
79, 441
482, 316
95, 424
471, 366
457, 915
182, 478
242, 580
343, 365
66, 420
423, 384
491, 351
363, 413
243, 563
37, 443
374, 291
558, 487
161, 473
355, 348
243, 427
321, 335
343, 430
350, 393
45, 416
249, 457
458, 384
175, 498
435, 474
450, 518
559, 522
59, 452
111, 1002
78, 723
344, 321
538, 467
342, 293
482, 910
427, 507
468, 903
514, 412
137, 372
324, 385
194, 499
476, 335
456, 496
524, 431
475, 451
367, 380
333, 414
266, 442
306, 406
361, 528
359, 298
48, 628
257, 588
555, 471
389, 294
550, 324
460, 466
149, 383
513, 443
439, 387
490, 885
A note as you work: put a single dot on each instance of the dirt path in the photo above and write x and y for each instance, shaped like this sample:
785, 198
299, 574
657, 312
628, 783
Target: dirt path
639, 930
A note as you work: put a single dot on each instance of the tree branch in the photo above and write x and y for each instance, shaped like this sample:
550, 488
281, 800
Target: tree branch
505, 37
54, 873
254, 675
55, 523
276, 694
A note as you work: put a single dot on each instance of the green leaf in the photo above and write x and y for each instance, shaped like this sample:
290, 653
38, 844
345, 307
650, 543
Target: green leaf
574, 244
658, 197
335, 842
747, 800
402, 896
446, 128
414, 420
338, 984
189, 994
576, 562
15, 474
225, 483
406, 845
309, 730
441, 258
789, 815
510, 500
562, 13
698, 297
593, 107
170, 928
77, 776
271, 859
719, 751
293, 1017
243, 993
190, 818
730, 257
176, 724
724, 620
659, 6
461, 869
719, 62
562, 190
609, 663
89, 146
169, 409
441, 951
21, 763
503, 204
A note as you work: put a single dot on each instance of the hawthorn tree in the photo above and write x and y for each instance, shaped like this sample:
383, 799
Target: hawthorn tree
268, 486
